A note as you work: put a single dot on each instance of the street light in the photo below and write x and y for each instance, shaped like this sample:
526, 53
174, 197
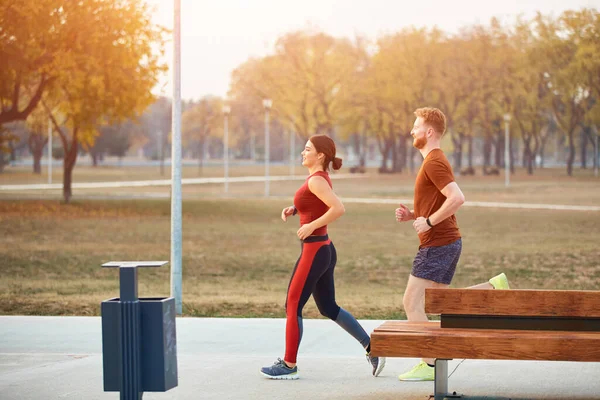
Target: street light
596, 161
506, 150
267, 104
226, 111
176, 234
49, 150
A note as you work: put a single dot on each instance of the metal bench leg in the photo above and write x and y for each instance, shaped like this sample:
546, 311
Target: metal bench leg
440, 385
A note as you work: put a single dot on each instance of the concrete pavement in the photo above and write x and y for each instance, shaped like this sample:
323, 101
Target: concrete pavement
56, 358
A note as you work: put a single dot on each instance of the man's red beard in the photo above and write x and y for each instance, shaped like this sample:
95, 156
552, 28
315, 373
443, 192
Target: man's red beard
419, 143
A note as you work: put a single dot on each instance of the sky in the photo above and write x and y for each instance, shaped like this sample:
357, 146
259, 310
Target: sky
219, 35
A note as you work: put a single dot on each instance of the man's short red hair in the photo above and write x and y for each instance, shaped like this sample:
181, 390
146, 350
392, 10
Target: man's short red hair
433, 117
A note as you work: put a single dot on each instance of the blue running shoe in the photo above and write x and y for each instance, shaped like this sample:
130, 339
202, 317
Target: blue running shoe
279, 370
377, 363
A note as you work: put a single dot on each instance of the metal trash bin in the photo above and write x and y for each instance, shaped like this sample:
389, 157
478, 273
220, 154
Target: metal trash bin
139, 342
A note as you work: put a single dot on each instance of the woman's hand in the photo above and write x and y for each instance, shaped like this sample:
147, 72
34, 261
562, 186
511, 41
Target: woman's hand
287, 212
306, 230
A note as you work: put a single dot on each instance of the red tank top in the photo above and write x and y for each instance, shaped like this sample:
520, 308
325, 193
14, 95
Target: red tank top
309, 205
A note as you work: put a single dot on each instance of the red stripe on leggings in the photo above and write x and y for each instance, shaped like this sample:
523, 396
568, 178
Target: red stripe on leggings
292, 330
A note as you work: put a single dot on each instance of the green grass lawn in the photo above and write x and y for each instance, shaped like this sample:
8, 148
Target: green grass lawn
238, 255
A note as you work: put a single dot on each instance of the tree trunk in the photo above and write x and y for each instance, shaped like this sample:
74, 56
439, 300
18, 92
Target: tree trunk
457, 139
527, 156
402, 148
583, 135
13, 151
530, 162
571, 157
499, 147
161, 154
394, 149
37, 165
470, 151
411, 155
355, 140
511, 155
542, 146
36, 144
487, 152
386, 151
536, 148
68, 165
202, 155
253, 146
94, 155
363, 150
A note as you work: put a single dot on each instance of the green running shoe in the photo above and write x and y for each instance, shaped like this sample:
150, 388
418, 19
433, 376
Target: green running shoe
499, 282
421, 372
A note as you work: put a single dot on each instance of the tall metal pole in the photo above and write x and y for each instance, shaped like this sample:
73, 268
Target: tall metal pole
267, 152
176, 164
506, 151
267, 103
226, 111
596, 160
49, 150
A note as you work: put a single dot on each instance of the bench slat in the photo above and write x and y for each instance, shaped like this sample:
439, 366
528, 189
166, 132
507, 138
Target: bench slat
408, 339
522, 323
545, 303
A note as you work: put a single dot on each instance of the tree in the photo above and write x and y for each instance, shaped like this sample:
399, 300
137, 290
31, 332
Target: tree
571, 92
453, 73
37, 127
107, 76
545, 72
119, 138
198, 123
402, 79
156, 124
7, 137
529, 94
246, 123
31, 52
303, 78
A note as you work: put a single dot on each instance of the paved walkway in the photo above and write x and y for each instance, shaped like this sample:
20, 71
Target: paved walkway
54, 358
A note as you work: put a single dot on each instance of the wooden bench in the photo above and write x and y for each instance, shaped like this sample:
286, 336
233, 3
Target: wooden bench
497, 325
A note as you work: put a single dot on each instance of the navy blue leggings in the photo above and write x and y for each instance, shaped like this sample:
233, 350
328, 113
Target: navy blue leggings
313, 274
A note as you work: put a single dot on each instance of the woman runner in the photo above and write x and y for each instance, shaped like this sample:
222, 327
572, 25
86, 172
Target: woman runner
318, 206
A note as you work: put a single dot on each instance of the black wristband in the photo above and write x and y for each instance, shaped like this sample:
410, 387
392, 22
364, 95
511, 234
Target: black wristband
295, 210
429, 222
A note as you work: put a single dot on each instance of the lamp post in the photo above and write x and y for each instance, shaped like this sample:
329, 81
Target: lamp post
267, 104
292, 151
176, 226
596, 161
506, 150
226, 111
49, 150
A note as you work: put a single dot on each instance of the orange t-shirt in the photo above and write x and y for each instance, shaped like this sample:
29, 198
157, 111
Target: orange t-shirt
434, 175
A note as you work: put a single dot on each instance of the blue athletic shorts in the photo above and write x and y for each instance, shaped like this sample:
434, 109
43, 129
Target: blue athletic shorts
437, 264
